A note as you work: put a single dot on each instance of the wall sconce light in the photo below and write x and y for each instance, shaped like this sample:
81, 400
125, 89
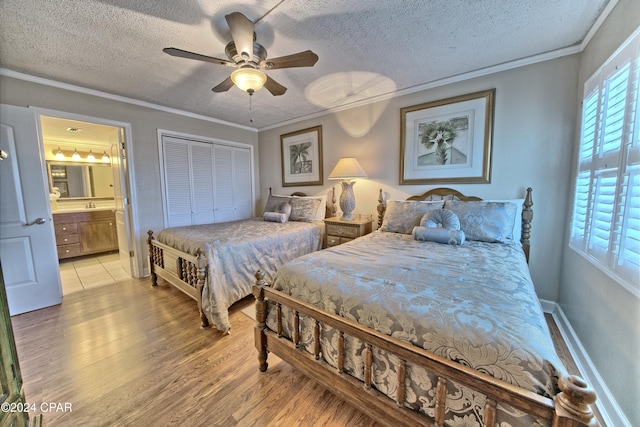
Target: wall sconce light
347, 169
105, 157
59, 154
75, 155
91, 157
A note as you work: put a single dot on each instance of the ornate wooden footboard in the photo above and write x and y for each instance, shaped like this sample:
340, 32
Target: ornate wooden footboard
571, 407
184, 271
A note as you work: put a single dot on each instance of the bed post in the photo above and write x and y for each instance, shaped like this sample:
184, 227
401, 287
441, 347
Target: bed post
261, 321
154, 276
573, 403
201, 275
380, 208
527, 217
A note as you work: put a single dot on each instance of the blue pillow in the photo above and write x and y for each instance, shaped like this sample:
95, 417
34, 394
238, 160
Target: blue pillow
438, 235
443, 218
485, 221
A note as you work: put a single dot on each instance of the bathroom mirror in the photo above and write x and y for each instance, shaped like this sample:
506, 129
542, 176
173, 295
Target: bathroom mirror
80, 180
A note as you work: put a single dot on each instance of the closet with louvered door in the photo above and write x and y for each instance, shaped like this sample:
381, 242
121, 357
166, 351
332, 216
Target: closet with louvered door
205, 182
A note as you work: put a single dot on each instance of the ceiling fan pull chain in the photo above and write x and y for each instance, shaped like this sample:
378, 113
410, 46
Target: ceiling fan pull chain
250, 107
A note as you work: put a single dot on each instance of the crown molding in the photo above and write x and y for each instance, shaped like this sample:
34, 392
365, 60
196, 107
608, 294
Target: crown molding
79, 89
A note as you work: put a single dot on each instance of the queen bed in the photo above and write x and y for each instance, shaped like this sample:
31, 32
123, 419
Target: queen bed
215, 263
426, 320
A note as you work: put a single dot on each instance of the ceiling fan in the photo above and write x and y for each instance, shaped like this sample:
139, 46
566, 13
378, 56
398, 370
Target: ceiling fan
250, 58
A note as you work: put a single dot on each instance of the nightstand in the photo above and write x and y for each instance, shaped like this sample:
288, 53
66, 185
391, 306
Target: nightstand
338, 231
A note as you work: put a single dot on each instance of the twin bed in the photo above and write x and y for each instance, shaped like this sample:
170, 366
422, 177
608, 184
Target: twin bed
215, 264
415, 328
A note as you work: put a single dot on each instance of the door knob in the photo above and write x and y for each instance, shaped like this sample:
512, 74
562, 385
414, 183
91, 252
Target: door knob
37, 221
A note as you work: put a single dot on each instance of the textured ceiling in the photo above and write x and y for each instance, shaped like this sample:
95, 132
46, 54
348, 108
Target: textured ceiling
366, 48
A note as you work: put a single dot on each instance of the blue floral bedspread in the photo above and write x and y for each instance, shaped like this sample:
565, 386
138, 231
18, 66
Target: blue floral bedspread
474, 304
236, 250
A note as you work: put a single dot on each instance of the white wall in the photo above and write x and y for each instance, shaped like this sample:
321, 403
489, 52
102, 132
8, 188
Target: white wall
532, 141
605, 316
144, 124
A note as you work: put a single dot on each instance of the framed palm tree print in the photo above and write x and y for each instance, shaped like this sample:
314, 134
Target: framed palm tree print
447, 141
302, 157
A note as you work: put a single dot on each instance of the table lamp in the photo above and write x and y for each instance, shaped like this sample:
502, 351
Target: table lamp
347, 169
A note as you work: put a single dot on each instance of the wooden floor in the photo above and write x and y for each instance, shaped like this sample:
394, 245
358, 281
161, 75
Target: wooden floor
127, 354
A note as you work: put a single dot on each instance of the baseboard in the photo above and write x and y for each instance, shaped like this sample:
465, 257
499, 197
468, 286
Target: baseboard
606, 403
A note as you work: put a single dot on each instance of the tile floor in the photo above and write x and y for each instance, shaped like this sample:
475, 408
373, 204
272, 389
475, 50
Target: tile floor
86, 272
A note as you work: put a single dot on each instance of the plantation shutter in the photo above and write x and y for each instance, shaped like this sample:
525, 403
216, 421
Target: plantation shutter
605, 224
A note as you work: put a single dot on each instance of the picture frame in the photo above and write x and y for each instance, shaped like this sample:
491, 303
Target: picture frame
447, 141
302, 157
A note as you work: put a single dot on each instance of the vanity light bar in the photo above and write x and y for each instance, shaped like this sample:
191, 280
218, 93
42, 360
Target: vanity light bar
77, 155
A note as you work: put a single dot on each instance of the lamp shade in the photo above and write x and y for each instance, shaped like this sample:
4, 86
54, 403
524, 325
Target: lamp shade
249, 79
347, 168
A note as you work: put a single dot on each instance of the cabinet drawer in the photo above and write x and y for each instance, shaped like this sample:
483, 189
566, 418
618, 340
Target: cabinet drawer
68, 251
335, 240
66, 228
342, 231
66, 239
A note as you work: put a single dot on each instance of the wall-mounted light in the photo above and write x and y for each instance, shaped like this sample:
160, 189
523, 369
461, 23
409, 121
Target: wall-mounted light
76, 155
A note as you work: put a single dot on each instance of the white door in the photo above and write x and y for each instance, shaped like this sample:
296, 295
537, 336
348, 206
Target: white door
27, 240
122, 202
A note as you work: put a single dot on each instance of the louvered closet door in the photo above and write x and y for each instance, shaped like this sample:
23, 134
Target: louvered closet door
242, 183
233, 195
205, 182
202, 182
177, 181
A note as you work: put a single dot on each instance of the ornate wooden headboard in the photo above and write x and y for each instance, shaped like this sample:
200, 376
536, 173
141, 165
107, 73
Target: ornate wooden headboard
451, 194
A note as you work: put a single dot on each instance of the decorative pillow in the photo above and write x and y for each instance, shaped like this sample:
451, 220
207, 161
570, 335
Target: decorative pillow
304, 209
439, 235
402, 215
274, 201
485, 221
440, 218
320, 214
275, 217
517, 226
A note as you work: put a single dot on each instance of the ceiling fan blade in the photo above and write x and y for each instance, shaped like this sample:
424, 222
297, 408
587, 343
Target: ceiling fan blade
190, 55
242, 32
300, 59
274, 87
224, 86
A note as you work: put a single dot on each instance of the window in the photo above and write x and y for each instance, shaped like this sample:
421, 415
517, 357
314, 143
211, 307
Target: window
605, 227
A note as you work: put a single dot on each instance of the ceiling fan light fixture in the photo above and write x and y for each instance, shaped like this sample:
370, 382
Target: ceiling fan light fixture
249, 79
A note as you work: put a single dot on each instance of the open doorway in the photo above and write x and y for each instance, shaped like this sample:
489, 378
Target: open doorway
89, 188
